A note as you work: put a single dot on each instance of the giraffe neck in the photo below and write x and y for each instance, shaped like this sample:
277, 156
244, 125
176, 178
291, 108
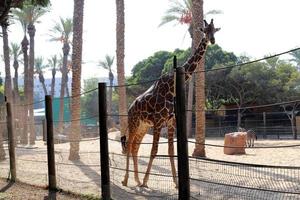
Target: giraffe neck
193, 61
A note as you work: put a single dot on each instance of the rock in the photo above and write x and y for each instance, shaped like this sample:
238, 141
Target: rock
235, 139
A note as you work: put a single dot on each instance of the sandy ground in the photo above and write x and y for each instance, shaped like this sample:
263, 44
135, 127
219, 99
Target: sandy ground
83, 176
20, 191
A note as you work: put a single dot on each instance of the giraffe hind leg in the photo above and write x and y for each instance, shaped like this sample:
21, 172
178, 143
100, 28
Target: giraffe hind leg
135, 149
154, 149
125, 181
171, 130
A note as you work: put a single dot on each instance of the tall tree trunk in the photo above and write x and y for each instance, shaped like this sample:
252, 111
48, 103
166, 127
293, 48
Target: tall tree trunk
66, 50
8, 86
31, 32
76, 78
2, 129
189, 115
197, 10
17, 101
24, 136
239, 118
42, 81
190, 97
109, 101
120, 28
53, 83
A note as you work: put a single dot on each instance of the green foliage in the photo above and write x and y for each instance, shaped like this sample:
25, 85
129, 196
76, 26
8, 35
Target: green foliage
89, 105
147, 70
181, 55
215, 56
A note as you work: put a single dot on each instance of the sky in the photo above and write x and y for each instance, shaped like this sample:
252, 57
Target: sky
250, 27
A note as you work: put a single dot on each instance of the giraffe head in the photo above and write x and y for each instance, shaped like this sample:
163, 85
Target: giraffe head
210, 30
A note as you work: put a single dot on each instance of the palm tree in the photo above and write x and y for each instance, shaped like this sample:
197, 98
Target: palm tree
8, 87
107, 64
39, 66
62, 32
31, 16
15, 51
53, 62
76, 79
120, 28
2, 125
20, 16
199, 81
8, 81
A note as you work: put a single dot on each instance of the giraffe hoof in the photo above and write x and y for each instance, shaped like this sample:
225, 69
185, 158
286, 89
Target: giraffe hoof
144, 185
124, 183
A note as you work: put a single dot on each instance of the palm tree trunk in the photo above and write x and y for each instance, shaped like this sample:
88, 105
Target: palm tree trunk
8, 86
66, 50
76, 78
17, 100
42, 81
109, 103
31, 32
189, 116
8, 81
120, 27
53, 83
199, 150
190, 97
24, 136
2, 128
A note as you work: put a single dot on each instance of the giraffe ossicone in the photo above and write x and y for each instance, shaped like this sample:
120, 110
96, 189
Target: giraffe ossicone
155, 108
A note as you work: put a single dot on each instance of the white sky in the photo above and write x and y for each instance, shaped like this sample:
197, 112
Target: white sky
252, 27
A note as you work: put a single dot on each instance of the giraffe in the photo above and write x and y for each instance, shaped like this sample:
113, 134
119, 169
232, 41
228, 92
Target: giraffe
155, 108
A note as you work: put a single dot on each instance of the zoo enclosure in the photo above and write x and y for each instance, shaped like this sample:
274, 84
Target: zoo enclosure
207, 176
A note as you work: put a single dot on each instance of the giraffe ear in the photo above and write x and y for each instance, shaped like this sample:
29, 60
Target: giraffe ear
217, 29
205, 23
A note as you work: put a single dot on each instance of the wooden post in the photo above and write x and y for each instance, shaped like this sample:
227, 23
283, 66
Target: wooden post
50, 144
265, 124
182, 143
11, 142
44, 130
104, 156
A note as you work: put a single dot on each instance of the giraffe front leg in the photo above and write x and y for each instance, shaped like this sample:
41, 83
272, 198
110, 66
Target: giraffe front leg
154, 149
171, 130
135, 150
125, 181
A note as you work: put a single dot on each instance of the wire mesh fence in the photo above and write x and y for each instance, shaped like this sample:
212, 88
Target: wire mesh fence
209, 178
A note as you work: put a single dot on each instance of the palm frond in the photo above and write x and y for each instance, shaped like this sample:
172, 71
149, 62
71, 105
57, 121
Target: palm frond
168, 18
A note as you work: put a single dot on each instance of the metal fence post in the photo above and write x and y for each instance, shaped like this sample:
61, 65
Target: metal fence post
44, 129
50, 143
104, 156
11, 141
182, 143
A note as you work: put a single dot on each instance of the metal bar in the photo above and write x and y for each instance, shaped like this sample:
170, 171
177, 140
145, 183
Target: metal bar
182, 142
50, 144
104, 156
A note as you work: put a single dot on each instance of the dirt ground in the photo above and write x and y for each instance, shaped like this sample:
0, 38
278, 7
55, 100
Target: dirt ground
20, 191
83, 176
